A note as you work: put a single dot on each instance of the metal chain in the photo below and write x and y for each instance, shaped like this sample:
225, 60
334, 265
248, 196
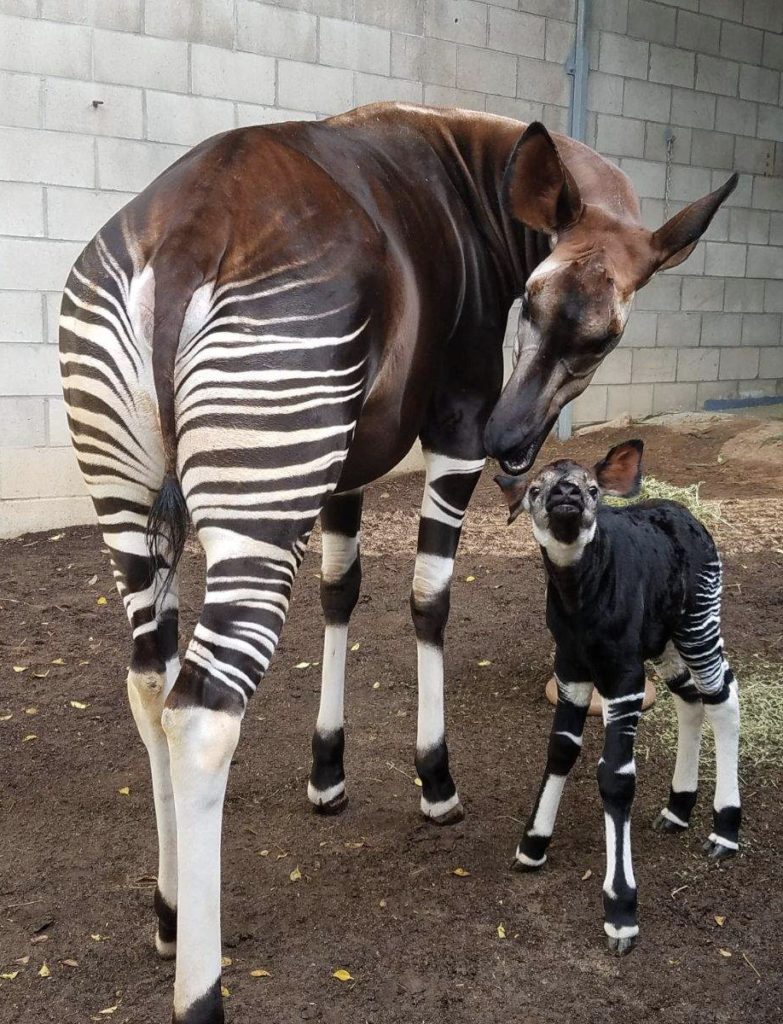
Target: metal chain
669, 136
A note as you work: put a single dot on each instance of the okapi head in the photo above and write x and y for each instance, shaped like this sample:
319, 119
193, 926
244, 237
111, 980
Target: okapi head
576, 302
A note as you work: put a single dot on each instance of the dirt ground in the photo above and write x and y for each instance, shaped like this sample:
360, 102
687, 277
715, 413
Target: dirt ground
378, 895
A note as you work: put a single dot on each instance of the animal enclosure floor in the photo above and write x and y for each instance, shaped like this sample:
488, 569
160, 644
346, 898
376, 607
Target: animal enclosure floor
378, 895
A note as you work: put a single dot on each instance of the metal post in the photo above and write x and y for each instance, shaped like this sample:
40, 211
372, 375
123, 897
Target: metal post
577, 66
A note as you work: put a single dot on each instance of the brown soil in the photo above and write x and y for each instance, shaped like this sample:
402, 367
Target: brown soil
378, 895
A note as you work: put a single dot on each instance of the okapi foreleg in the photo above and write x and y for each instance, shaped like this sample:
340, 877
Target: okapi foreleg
448, 488
341, 576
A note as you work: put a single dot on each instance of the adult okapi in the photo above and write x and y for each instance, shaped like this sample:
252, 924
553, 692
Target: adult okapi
266, 329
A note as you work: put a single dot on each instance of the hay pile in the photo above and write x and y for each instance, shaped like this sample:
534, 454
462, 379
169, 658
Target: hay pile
705, 510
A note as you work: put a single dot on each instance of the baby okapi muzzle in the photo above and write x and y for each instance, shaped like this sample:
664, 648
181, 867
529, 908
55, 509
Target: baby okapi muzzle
626, 585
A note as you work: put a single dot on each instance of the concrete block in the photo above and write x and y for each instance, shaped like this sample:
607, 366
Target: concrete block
52, 158
21, 100
374, 88
542, 81
725, 259
609, 15
710, 389
721, 329
640, 330
647, 100
689, 183
29, 370
773, 51
671, 66
702, 293
698, 364
35, 264
556, 118
520, 33
522, 110
26, 516
771, 362
128, 165
346, 44
765, 261
330, 8
743, 295
442, 96
616, 368
559, 40
78, 214
24, 423
651, 21
422, 59
757, 83
44, 47
660, 293
21, 317
768, 193
741, 194
124, 16
773, 296
693, 109
770, 122
461, 21
620, 136
712, 149
758, 388
674, 398
57, 433
736, 116
590, 406
716, 74
634, 400
761, 329
694, 264
21, 209
697, 32
398, 15
655, 145
766, 14
738, 363
564, 10
231, 75
649, 178
483, 70
718, 231
605, 94
620, 55
306, 87
741, 43
755, 156
193, 20
69, 106
140, 60
20, 8
186, 120
776, 229
749, 226
249, 115
678, 330
654, 364
52, 304
40, 473
275, 31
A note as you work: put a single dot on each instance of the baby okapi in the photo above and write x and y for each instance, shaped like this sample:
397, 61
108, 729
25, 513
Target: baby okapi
625, 585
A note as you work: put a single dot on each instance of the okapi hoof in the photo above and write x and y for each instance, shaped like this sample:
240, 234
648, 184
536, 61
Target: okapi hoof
330, 808
665, 824
524, 865
620, 947
165, 950
716, 851
451, 816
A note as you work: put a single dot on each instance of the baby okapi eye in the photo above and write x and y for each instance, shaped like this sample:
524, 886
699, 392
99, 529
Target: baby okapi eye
534, 492
593, 491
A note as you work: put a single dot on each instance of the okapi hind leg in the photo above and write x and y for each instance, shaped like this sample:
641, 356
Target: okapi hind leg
341, 576
449, 484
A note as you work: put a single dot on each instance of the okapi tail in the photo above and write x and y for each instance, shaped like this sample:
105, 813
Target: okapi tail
167, 528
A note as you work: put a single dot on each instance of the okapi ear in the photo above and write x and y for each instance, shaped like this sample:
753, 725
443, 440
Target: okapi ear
538, 188
513, 488
620, 473
676, 240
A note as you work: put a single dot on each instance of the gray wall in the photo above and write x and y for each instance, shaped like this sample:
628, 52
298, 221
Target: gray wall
170, 72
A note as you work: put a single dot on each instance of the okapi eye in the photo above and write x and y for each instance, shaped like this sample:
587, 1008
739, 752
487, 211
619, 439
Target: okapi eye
593, 492
534, 492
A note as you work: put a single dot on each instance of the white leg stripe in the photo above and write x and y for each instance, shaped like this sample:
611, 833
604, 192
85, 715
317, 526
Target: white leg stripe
431, 725
728, 843
529, 861
626, 932
666, 813
440, 807
331, 711
324, 796
546, 812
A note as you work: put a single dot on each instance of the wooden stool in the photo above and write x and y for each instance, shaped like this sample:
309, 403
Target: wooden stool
595, 701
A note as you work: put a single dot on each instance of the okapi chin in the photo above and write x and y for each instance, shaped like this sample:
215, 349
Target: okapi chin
266, 329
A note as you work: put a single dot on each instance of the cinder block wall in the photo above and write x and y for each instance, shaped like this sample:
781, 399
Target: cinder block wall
98, 96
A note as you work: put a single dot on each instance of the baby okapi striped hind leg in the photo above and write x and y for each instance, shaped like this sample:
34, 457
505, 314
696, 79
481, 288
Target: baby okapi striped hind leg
341, 577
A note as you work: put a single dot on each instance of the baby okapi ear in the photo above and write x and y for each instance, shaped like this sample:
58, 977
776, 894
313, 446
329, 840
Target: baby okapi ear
620, 473
513, 488
538, 188
676, 240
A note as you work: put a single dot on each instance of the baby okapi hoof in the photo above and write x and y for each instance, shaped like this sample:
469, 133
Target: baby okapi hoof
620, 947
716, 851
332, 807
452, 816
665, 824
523, 864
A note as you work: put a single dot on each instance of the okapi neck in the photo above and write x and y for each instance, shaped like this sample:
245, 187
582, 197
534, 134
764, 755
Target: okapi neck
575, 584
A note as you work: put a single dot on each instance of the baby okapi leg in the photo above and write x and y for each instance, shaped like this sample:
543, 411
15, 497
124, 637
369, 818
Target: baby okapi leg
675, 816
448, 487
341, 577
565, 745
617, 783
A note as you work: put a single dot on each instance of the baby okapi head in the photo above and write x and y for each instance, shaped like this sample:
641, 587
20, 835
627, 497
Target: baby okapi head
564, 496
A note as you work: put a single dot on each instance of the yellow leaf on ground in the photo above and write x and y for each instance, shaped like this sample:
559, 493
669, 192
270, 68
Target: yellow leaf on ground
470, 579
224, 992
720, 920
226, 961
96, 937
376, 686
483, 663
44, 972
501, 931
5, 718
58, 661
302, 664
30, 736
354, 846
355, 647
263, 853
587, 874
41, 675
417, 782
342, 975
80, 705
31, 711
9, 976
109, 1010
101, 600
259, 972
20, 668
461, 872
124, 791
725, 952
295, 875
57, 536
70, 963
